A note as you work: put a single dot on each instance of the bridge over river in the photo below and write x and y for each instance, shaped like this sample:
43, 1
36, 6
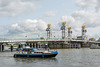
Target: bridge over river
53, 43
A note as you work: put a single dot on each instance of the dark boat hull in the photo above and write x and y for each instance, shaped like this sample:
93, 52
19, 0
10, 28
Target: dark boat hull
43, 55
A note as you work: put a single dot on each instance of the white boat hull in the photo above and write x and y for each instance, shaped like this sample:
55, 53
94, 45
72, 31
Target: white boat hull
94, 46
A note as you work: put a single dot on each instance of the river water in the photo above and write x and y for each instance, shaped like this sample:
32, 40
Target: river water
83, 57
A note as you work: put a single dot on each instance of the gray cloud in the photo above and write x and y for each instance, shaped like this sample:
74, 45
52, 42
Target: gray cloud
17, 7
88, 18
89, 4
50, 14
28, 27
82, 17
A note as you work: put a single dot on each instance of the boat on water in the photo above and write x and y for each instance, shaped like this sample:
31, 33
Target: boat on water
34, 52
95, 46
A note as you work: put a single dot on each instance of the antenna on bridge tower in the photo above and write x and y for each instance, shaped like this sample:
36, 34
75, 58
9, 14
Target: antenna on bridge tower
49, 31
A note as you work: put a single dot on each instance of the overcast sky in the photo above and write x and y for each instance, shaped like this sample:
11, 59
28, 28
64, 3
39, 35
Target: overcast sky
20, 18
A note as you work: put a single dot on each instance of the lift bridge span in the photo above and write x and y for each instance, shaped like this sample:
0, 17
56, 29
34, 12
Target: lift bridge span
52, 41
48, 40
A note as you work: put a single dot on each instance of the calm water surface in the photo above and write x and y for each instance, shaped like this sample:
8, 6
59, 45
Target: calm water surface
84, 57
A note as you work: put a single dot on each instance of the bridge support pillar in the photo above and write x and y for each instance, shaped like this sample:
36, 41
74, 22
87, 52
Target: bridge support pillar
36, 45
39, 45
1, 47
33, 45
11, 48
19, 46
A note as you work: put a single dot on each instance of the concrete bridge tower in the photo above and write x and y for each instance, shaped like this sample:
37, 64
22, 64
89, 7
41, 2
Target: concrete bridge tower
84, 32
64, 30
69, 33
49, 31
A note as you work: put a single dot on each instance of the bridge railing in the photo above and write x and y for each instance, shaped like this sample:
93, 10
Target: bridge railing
25, 39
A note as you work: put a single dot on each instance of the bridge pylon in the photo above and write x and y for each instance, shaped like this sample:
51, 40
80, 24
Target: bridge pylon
64, 30
49, 31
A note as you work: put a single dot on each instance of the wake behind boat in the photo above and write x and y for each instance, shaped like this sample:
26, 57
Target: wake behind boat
34, 52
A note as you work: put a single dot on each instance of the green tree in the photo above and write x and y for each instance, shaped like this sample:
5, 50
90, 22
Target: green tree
41, 38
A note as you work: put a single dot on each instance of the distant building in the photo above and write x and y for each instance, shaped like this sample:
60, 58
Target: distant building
79, 38
91, 39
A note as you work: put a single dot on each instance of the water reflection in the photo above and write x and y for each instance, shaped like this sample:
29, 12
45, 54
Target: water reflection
35, 60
